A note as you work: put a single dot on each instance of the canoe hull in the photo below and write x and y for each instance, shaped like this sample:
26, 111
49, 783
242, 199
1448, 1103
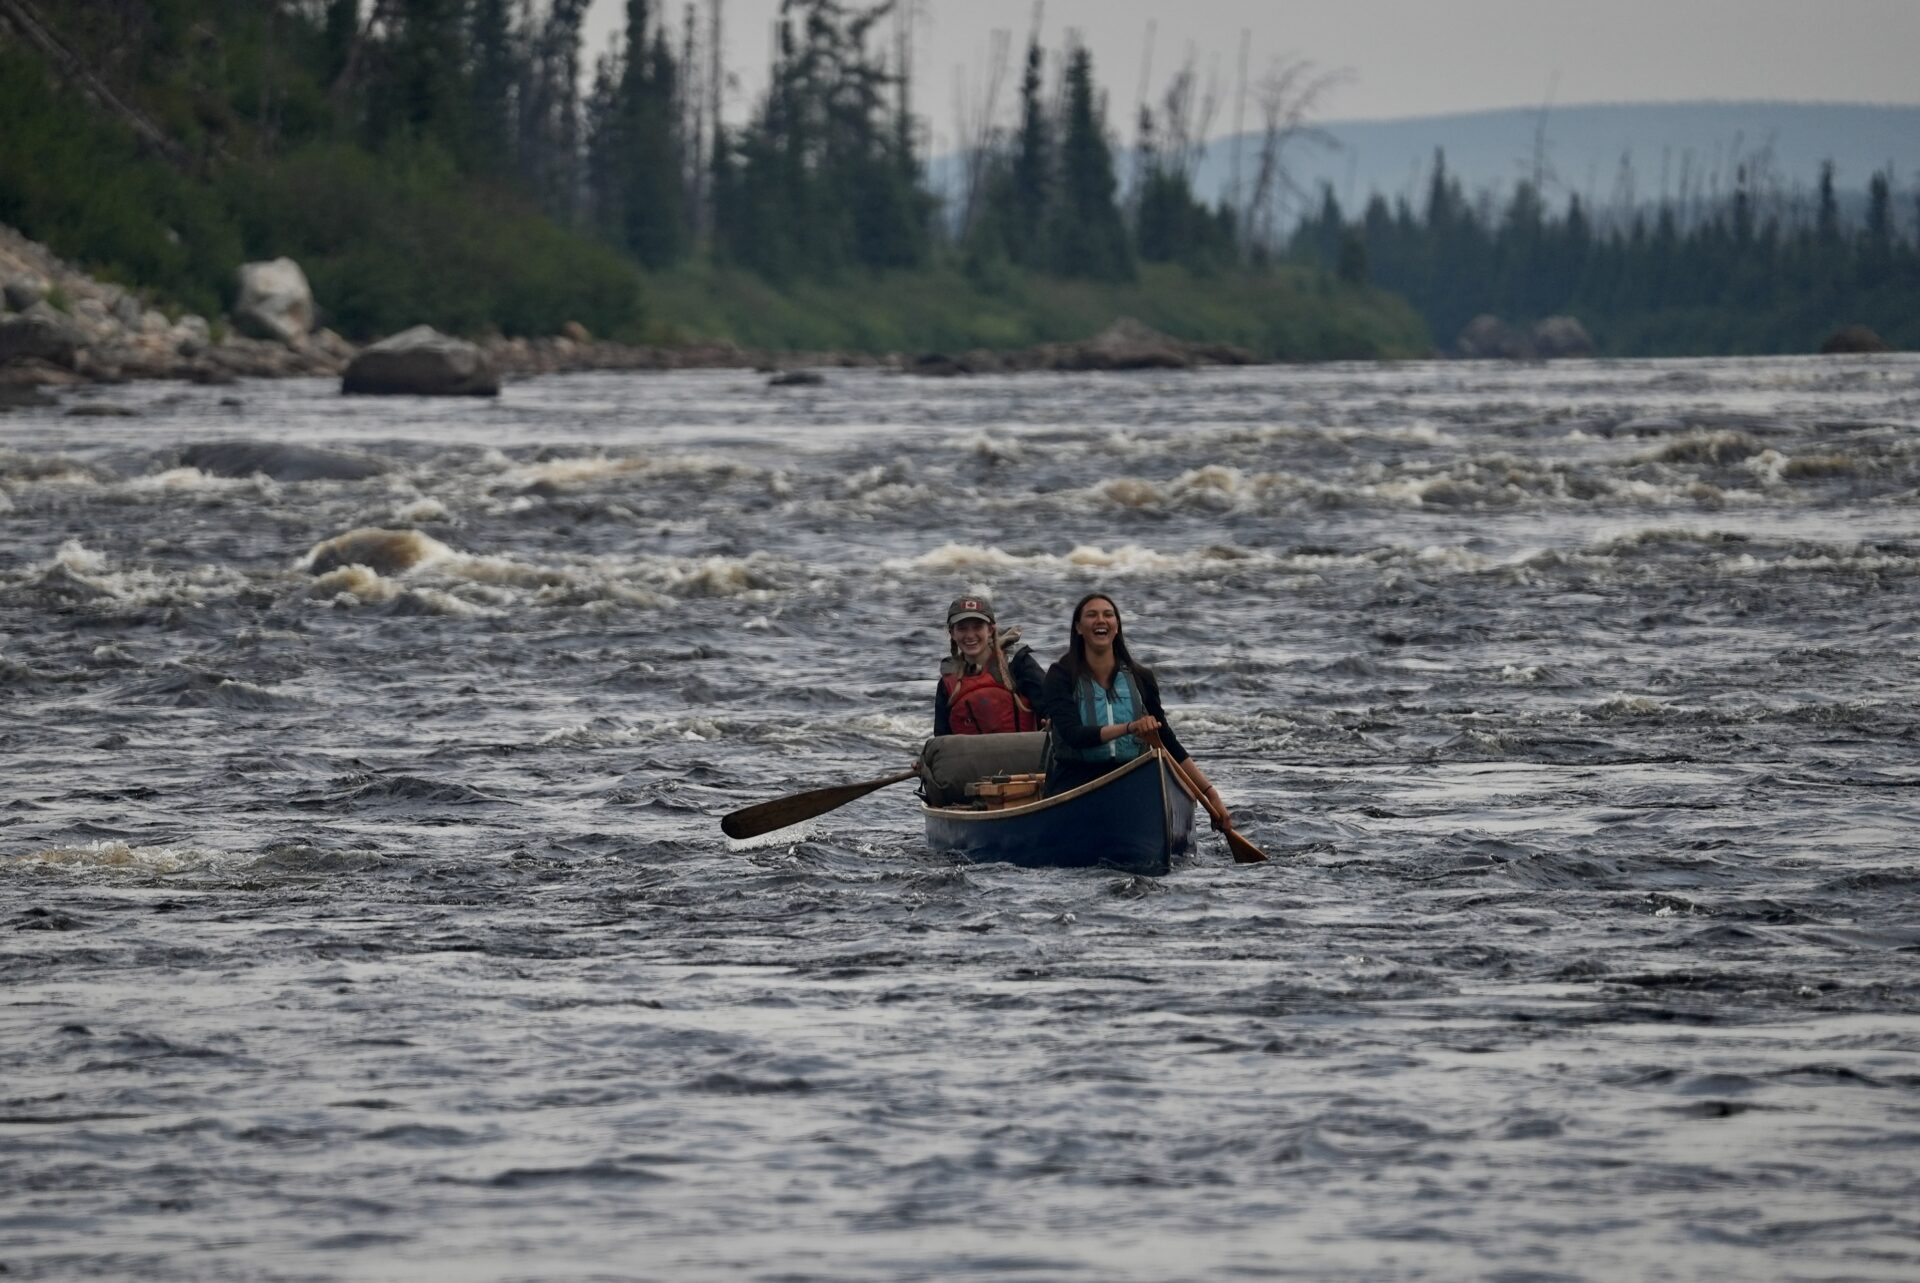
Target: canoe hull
1135, 819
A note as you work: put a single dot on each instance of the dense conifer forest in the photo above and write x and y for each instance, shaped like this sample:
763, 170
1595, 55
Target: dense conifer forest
471, 164
468, 163
1761, 268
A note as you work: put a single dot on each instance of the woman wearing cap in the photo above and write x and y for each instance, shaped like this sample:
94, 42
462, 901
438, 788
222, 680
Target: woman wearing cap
1099, 703
990, 681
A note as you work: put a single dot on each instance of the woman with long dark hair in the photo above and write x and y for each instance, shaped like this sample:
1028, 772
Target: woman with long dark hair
1100, 702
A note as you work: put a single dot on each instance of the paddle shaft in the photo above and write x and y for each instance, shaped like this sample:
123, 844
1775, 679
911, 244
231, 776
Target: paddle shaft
765, 817
1244, 852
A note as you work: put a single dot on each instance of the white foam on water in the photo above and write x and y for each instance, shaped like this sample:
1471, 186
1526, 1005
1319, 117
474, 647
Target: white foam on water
590, 735
1625, 705
48, 470
952, 558
186, 480
424, 508
354, 581
587, 470
77, 558
116, 855
445, 603
138, 587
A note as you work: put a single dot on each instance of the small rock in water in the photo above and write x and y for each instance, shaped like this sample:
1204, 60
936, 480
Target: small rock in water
797, 379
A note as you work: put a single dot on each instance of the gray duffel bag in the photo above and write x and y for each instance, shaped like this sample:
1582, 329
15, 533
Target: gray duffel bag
948, 763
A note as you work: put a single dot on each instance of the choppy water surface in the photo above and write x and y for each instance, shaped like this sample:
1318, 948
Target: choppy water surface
366, 915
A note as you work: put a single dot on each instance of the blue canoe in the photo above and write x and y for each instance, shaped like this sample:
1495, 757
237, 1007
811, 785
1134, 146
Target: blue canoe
1134, 819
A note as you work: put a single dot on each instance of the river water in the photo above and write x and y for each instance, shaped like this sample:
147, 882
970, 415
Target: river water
365, 916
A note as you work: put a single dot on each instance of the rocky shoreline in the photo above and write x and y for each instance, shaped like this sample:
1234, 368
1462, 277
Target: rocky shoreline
60, 327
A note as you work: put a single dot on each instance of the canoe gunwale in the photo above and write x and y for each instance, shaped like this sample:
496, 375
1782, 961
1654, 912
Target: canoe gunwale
1052, 800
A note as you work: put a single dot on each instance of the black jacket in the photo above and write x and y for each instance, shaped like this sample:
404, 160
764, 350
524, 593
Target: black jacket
1061, 707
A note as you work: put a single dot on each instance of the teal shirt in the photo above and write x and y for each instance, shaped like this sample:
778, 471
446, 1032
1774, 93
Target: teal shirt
1100, 707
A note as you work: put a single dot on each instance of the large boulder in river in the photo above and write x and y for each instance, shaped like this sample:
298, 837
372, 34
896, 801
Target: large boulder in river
279, 460
1852, 339
1562, 336
276, 302
1125, 345
421, 362
1488, 338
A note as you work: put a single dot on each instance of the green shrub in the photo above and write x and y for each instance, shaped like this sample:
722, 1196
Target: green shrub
398, 240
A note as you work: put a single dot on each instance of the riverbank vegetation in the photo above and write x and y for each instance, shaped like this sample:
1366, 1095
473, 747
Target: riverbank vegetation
439, 161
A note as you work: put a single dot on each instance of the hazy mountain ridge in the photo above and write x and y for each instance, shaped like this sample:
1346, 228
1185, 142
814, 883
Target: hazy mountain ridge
1669, 148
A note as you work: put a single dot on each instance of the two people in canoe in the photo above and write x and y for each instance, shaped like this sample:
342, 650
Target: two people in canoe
1097, 701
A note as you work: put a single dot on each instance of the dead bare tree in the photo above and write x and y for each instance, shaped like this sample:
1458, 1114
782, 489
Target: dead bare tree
1143, 143
691, 108
981, 136
1239, 116
1187, 110
1288, 95
19, 16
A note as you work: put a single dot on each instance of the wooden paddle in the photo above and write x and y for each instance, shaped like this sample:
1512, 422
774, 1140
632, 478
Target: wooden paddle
765, 817
1244, 852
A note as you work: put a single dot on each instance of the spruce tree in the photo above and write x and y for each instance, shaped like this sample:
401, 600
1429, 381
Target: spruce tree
1030, 184
1085, 235
645, 169
491, 93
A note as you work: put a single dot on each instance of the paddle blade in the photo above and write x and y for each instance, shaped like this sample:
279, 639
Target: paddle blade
765, 817
1244, 852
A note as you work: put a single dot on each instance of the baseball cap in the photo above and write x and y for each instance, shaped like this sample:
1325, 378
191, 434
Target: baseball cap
970, 608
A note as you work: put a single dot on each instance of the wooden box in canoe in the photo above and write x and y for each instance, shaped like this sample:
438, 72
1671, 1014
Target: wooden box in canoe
1135, 819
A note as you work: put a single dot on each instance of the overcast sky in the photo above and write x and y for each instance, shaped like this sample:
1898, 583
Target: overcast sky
1407, 57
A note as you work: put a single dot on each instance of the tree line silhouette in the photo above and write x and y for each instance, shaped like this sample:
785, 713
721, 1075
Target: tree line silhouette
1754, 270
827, 173
441, 159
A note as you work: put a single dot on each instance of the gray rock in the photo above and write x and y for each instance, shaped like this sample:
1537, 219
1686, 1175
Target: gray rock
96, 317
24, 396
41, 334
937, 365
276, 303
1124, 345
385, 552
125, 308
1853, 339
1490, 338
279, 461
421, 362
797, 379
23, 292
1562, 336
190, 335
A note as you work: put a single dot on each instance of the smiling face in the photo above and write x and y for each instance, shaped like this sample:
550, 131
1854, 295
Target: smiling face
970, 638
1097, 624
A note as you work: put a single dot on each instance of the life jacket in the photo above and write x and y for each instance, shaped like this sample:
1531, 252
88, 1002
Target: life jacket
1101, 707
977, 704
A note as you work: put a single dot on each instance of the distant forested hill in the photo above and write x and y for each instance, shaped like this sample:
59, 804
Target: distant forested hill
1656, 148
